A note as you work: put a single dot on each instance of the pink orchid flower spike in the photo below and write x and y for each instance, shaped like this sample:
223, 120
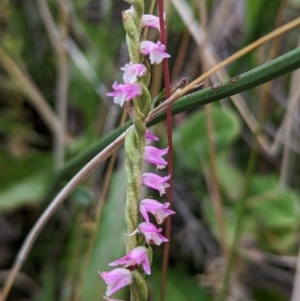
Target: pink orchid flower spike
160, 211
116, 279
134, 258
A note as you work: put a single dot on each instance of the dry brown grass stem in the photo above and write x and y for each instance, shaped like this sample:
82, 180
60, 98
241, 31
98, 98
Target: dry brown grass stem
215, 192
274, 52
286, 169
59, 40
180, 55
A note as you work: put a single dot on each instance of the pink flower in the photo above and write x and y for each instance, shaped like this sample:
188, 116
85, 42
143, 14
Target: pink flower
155, 51
132, 72
134, 258
150, 137
125, 92
152, 234
159, 210
116, 279
147, 20
151, 21
156, 182
154, 155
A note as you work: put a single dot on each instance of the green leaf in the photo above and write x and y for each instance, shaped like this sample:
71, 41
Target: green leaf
192, 138
231, 179
48, 281
180, 286
277, 240
262, 184
84, 97
83, 195
273, 207
24, 181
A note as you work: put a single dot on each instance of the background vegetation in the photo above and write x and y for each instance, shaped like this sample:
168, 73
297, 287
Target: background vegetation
236, 161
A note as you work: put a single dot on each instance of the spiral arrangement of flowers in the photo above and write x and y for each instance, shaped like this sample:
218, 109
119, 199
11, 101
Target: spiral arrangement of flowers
134, 92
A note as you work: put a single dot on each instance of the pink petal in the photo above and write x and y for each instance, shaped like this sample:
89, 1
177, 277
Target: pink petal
132, 72
143, 212
159, 210
116, 279
150, 21
155, 51
154, 155
156, 182
135, 257
125, 92
152, 234
150, 137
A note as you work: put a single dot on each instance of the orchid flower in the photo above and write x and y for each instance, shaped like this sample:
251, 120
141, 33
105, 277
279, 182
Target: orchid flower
125, 92
116, 279
147, 20
132, 72
151, 21
154, 50
160, 211
150, 137
152, 234
154, 155
135, 257
156, 182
